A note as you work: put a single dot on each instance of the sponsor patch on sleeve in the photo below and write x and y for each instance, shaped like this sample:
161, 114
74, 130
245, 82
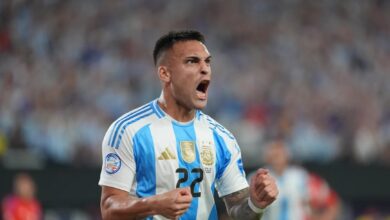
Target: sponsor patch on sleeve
112, 163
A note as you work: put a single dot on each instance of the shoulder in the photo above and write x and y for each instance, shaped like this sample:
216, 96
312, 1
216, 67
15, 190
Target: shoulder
9, 200
132, 122
298, 172
142, 114
217, 128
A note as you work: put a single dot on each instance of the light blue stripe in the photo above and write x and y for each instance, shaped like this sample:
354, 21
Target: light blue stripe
155, 109
145, 162
240, 166
222, 153
216, 126
198, 113
146, 114
284, 209
119, 123
124, 118
158, 110
213, 214
187, 133
284, 206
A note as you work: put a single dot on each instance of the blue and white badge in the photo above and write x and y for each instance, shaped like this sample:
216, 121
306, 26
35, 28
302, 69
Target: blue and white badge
112, 163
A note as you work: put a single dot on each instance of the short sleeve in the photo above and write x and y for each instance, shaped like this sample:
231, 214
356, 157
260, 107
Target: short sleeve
118, 165
232, 178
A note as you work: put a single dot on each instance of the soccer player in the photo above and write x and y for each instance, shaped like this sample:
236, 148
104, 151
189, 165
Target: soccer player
166, 158
303, 195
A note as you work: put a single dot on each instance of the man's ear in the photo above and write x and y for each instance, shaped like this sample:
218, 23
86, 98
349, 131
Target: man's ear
164, 74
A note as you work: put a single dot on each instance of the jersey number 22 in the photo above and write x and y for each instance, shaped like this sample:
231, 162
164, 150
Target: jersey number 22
194, 182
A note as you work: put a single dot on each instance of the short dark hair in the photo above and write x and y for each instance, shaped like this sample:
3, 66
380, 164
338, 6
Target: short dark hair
168, 40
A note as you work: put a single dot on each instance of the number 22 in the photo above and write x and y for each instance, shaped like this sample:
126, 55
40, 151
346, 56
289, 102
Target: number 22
194, 182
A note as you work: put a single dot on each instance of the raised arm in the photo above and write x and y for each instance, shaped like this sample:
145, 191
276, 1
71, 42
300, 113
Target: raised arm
249, 203
117, 204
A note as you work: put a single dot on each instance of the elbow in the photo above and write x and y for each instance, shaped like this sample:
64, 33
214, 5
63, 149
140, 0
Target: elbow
106, 209
112, 211
105, 215
105, 212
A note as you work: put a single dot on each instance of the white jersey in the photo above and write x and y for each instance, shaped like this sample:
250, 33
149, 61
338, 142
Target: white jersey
292, 201
146, 152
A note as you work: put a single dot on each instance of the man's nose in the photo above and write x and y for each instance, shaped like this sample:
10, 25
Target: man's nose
205, 68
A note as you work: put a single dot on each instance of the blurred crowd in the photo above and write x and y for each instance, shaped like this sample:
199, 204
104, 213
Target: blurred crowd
315, 73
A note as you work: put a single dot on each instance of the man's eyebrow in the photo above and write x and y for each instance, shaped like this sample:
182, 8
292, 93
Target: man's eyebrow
197, 57
192, 57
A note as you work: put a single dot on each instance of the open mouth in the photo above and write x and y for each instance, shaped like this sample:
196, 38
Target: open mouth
201, 89
203, 85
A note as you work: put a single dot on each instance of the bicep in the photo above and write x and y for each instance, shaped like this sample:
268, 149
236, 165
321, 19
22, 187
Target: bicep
115, 202
108, 192
110, 197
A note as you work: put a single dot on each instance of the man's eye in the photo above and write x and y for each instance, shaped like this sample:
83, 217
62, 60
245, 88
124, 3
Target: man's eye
190, 61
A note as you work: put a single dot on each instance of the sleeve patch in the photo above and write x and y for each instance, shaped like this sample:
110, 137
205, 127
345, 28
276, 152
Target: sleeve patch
112, 163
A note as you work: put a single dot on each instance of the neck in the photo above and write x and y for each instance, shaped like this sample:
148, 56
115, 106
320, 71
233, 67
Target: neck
174, 109
279, 170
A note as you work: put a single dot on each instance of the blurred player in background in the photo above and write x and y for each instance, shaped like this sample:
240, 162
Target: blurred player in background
323, 201
303, 195
22, 205
166, 158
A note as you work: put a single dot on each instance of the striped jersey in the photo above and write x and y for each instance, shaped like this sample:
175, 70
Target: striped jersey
146, 152
293, 198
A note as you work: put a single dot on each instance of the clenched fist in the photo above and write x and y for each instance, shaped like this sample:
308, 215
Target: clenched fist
174, 203
263, 190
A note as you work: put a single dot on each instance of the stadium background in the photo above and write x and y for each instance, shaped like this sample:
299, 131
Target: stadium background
314, 72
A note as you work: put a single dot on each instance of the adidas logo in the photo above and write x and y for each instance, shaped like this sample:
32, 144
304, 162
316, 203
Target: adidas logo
167, 155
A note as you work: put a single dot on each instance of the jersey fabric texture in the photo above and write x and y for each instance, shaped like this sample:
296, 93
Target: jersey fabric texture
146, 152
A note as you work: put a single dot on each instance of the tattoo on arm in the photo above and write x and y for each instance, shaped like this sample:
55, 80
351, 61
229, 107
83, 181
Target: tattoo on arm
237, 205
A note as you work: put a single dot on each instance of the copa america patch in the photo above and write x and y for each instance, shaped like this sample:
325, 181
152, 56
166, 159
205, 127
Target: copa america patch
112, 163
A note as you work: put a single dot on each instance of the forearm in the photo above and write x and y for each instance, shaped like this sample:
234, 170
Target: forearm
119, 205
243, 211
237, 206
126, 207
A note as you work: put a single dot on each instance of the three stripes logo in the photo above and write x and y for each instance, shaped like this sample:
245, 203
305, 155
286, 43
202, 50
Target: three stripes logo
167, 155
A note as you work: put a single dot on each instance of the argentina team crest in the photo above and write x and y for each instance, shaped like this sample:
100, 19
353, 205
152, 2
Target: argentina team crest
206, 154
187, 150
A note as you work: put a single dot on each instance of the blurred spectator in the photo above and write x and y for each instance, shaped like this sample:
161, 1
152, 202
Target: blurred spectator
22, 205
313, 72
323, 201
316, 72
302, 195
